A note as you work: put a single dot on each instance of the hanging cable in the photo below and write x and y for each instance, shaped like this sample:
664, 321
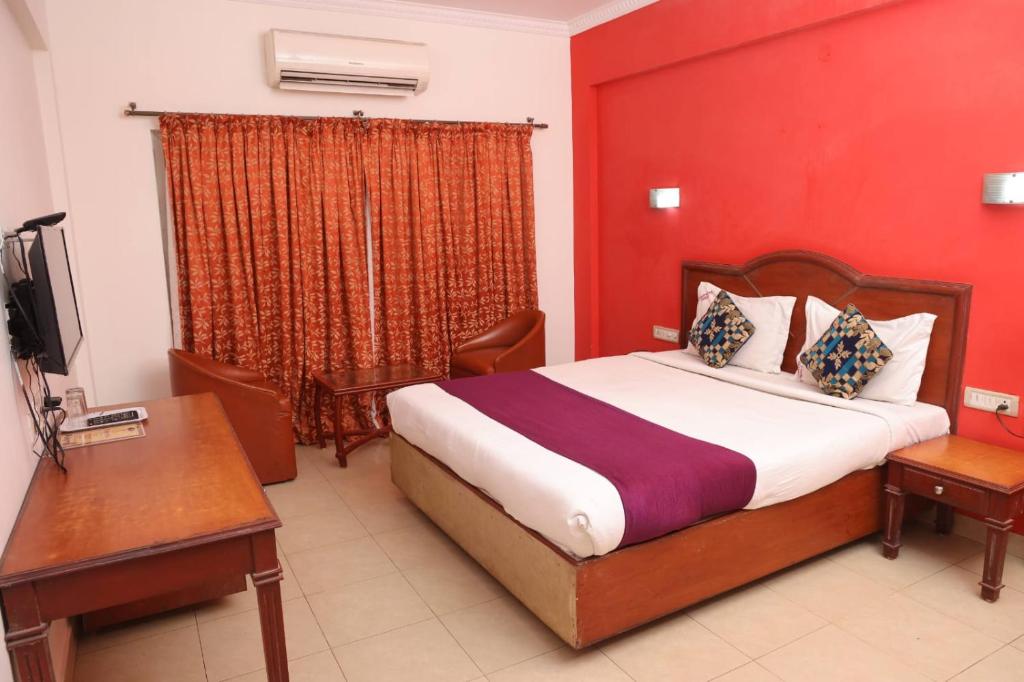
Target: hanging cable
999, 416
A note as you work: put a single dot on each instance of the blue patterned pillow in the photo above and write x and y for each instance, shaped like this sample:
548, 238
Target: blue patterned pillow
847, 355
721, 331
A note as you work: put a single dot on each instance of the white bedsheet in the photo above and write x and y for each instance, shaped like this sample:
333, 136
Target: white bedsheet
799, 439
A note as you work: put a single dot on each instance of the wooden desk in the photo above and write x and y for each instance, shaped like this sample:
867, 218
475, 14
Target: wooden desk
136, 519
357, 381
959, 473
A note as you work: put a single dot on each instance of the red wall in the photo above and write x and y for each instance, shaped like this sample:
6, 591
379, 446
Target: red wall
857, 128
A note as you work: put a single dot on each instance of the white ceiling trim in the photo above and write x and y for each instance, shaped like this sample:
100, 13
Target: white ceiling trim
401, 9
605, 13
417, 11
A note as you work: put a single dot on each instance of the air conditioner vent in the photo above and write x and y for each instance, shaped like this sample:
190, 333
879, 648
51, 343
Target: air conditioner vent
407, 84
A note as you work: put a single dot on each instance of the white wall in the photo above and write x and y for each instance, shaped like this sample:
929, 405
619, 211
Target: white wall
206, 55
29, 187
24, 193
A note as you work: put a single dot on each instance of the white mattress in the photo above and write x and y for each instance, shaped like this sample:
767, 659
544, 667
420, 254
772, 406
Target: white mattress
798, 439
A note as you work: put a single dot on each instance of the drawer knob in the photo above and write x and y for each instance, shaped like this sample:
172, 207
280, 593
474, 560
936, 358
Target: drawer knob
939, 490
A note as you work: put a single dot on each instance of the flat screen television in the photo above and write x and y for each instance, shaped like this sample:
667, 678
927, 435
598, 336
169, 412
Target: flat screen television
53, 326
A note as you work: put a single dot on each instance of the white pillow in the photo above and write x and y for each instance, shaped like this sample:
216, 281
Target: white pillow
907, 338
770, 315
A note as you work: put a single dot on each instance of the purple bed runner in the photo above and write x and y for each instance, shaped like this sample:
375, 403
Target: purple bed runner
666, 480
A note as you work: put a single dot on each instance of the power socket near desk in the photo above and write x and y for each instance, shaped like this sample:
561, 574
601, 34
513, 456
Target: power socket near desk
989, 401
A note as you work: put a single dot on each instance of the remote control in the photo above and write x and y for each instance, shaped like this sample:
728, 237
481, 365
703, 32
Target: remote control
95, 420
113, 418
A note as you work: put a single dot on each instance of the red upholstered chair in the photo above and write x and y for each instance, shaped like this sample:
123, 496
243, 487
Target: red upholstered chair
259, 412
513, 344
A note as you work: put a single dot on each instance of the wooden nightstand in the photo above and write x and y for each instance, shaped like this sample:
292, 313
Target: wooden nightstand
959, 473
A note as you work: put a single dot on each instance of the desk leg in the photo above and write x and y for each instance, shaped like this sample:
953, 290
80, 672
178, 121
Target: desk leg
27, 636
317, 404
995, 557
943, 519
340, 453
267, 576
895, 500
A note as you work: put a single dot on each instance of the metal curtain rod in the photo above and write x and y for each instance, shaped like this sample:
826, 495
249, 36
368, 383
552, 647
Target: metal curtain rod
133, 110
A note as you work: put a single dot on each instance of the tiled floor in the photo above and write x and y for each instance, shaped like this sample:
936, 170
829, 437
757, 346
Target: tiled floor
373, 592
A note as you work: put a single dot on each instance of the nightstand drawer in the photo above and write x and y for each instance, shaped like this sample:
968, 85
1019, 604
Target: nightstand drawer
959, 495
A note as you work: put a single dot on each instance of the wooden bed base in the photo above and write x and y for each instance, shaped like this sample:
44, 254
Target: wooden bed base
586, 601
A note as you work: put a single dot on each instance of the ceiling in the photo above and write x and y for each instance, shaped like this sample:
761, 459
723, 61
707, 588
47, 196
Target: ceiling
551, 17
559, 10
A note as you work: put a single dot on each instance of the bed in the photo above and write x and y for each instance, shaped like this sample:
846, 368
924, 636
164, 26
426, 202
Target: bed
553, 540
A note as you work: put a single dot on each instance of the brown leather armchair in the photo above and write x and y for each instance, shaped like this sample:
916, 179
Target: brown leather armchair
259, 412
513, 344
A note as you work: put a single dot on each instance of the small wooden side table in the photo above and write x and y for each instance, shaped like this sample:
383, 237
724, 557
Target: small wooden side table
959, 473
356, 382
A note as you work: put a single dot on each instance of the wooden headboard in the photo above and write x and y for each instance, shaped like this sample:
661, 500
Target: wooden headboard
803, 273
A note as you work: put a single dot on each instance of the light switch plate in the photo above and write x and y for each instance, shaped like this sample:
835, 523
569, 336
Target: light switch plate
989, 401
666, 334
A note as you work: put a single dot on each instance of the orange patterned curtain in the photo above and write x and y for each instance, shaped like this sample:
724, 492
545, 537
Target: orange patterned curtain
452, 233
271, 246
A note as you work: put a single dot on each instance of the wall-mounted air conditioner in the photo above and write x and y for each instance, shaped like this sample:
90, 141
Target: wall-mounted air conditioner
330, 63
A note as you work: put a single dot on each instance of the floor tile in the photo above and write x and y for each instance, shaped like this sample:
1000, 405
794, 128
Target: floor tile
950, 548
372, 458
329, 568
1013, 569
290, 588
385, 515
751, 672
500, 633
173, 656
826, 588
319, 529
233, 646
424, 652
417, 546
756, 620
955, 592
139, 629
928, 641
865, 557
675, 648
453, 584
563, 665
307, 461
1005, 665
303, 496
365, 488
367, 608
837, 656
320, 667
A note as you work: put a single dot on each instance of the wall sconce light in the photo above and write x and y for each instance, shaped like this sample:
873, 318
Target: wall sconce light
1003, 188
665, 197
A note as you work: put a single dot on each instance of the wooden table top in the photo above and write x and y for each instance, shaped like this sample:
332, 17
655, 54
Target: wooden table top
374, 378
185, 483
989, 466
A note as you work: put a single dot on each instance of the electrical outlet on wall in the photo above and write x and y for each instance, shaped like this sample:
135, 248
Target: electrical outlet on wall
989, 401
666, 334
